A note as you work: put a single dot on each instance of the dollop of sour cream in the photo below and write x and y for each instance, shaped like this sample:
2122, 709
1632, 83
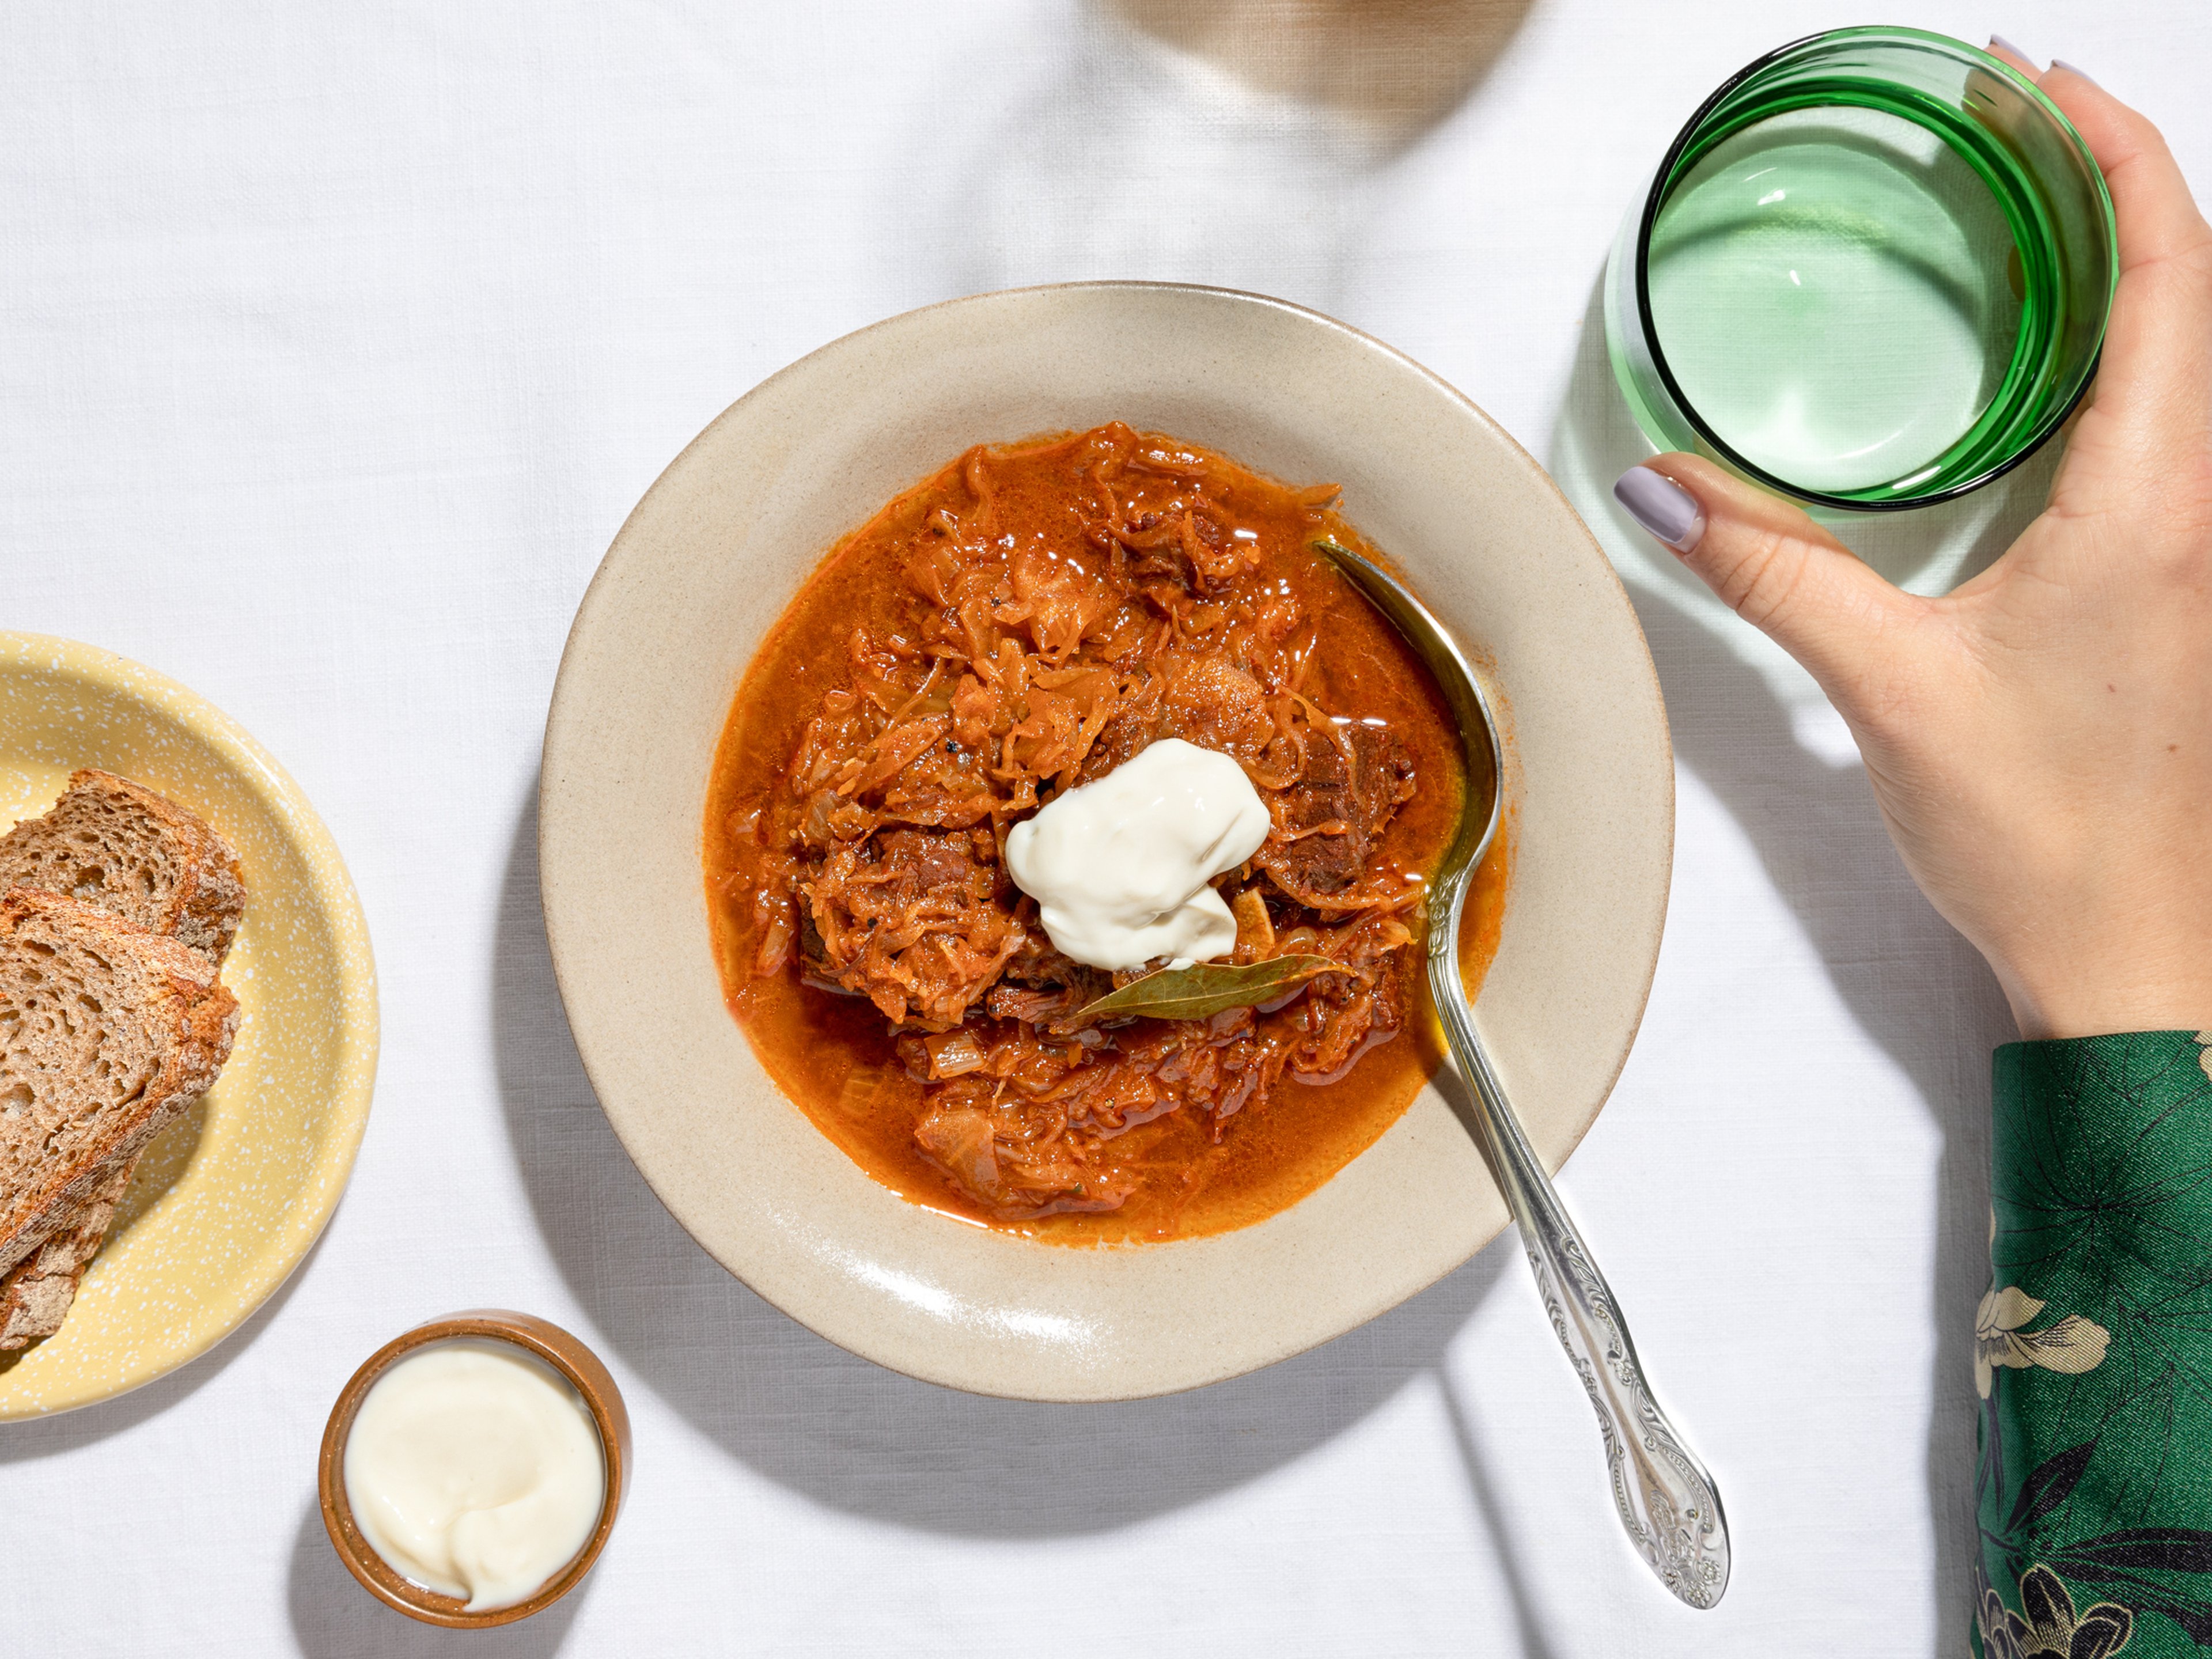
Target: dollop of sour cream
1119, 868
475, 1470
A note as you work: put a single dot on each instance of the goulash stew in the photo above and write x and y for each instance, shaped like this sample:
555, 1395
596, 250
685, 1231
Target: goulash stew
1010, 631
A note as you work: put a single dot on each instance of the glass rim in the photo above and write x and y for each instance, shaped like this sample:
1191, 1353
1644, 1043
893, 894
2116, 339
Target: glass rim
1655, 198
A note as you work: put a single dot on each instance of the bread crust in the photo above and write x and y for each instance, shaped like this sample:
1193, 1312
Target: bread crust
202, 909
36, 1293
119, 846
198, 1018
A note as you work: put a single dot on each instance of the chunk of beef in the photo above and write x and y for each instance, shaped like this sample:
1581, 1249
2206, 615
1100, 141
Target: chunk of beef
1210, 702
1205, 700
1122, 738
1041, 965
1333, 817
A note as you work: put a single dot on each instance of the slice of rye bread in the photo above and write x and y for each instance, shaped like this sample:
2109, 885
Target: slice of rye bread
36, 1295
107, 1034
122, 848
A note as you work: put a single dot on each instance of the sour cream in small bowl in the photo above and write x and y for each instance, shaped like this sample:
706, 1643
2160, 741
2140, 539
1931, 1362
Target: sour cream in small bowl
472, 1467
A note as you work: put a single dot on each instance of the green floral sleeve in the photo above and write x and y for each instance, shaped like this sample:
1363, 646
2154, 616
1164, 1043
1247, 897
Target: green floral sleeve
2093, 1352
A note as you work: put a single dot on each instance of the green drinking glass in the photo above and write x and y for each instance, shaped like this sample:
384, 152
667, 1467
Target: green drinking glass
1872, 272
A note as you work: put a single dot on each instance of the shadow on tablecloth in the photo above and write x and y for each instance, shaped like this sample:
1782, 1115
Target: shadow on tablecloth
845, 1431
44, 1436
1236, 142
1759, 734
334, 1618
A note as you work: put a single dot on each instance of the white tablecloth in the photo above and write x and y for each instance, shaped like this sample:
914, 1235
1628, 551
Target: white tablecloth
335, 343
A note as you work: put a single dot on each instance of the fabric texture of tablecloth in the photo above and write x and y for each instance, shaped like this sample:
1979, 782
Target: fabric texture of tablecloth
334, 344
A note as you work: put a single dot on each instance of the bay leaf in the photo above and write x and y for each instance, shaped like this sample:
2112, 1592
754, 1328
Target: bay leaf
1204, 988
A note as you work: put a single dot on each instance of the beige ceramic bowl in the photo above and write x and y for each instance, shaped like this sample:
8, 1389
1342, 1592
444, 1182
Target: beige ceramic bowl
226, 1202
717, 549
543, 1340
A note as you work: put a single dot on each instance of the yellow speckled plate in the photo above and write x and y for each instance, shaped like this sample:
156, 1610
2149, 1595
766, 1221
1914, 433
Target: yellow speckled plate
227, 1202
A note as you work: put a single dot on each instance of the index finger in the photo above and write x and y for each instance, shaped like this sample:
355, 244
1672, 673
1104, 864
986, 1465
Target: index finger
2157, 215
2156, 379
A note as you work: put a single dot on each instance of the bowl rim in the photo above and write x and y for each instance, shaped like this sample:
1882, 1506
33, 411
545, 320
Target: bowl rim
566, 715
354, 994
568, 1355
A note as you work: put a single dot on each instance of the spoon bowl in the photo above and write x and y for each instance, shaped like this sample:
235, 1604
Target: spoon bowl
1485, 801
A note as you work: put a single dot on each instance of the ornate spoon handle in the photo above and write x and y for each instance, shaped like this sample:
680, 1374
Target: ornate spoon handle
1666, 1501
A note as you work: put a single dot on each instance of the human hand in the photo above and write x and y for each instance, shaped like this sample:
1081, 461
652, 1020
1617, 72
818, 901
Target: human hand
2040, 741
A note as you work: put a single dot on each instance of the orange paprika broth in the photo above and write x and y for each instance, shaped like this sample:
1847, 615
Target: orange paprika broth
1018, 624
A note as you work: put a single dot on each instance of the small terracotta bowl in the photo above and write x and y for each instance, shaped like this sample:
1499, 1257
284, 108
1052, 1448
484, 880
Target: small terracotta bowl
538, 1337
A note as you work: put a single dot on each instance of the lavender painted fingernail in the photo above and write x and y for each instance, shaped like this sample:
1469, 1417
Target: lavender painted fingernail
2060, 62
1662, 506
2003, 45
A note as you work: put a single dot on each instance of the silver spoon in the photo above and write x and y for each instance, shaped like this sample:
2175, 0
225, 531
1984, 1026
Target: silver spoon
1668, 1503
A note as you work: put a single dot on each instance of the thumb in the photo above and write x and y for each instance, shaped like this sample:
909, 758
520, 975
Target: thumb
1772, 565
